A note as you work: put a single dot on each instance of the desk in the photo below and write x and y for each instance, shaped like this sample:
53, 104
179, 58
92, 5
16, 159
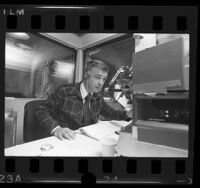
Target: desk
133, 148
85, 146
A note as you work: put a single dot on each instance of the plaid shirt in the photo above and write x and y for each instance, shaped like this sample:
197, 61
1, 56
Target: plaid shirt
65, 108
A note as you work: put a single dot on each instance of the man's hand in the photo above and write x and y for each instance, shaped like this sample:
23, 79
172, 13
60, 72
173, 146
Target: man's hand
64, 133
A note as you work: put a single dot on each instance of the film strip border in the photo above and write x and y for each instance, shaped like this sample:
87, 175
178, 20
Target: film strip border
100, 20
95, 19
85, 23
96, 170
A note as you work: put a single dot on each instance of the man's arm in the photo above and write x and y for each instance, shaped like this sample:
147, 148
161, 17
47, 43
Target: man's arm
46, 115
111, 114
47, 111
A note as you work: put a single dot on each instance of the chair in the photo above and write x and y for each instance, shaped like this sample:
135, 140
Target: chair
32, 128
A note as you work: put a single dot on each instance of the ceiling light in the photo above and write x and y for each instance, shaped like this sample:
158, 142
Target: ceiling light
94, 52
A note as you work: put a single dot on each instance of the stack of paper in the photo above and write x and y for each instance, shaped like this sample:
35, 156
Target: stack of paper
103, 128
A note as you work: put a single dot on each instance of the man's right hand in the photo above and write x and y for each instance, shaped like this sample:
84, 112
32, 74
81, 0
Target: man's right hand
64, 133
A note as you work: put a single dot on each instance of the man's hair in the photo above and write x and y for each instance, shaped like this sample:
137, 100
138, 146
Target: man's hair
97, 63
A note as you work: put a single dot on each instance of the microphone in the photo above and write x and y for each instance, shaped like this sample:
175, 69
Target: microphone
118, 90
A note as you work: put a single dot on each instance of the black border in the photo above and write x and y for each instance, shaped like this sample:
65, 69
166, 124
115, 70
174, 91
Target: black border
145, 14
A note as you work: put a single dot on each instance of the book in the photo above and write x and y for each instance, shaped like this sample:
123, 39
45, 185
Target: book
103, 128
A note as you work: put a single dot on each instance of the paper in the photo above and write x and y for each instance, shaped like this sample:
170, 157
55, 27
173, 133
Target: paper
121, 123
104, 128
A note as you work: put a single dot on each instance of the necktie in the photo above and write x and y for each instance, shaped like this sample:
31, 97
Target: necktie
86, 111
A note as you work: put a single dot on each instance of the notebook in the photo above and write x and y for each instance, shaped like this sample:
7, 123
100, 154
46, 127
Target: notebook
103, 128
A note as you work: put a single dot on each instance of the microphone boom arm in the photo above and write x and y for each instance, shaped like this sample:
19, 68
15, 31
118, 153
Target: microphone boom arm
116, 75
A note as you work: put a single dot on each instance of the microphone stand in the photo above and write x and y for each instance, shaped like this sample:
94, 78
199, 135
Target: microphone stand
134, 102
121, 69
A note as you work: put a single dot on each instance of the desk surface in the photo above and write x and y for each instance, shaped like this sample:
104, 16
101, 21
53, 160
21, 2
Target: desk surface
85, 146
133, 148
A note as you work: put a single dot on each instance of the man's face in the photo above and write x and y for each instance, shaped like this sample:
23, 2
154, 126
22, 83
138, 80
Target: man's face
96, 80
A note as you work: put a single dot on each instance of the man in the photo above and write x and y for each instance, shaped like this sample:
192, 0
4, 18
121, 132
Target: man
74, 106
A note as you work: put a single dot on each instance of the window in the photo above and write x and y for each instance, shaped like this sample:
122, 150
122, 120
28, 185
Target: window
33, 61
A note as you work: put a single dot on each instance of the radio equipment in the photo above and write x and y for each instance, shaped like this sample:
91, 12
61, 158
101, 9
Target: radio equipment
162, 119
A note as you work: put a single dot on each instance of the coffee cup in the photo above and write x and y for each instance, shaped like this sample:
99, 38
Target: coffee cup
108, 146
